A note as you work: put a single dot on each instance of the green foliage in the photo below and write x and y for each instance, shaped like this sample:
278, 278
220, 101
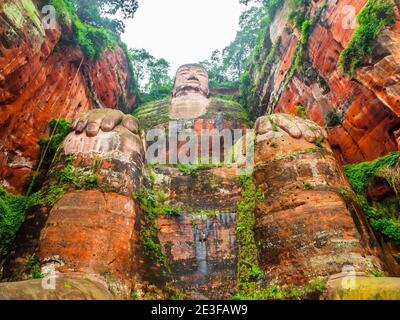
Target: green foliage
361, 174
379, 219
381, 216
301, 111
306, 29
93, 39
312, 290
49, 146
193, 169
377, 274
297, 14
79, 179
134, 295
249, 272
389, 227
152, 74
226, 67
32, 266
12, 215
153, 203
177, 296
93, 31
308, 186
319, 142
260, 195
53, 195
371, 20
275, 126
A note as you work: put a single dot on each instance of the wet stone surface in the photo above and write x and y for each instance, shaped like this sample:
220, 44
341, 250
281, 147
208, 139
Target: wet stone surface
202, 252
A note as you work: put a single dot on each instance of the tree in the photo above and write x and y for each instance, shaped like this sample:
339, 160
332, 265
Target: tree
153, 75
159, 76
94, 12
231, 63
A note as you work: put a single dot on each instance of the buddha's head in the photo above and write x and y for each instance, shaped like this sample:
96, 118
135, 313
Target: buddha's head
191, 78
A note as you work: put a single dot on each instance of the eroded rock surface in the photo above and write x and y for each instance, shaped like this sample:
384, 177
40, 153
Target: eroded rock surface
304, 227
95, 231
40, 82
362, 112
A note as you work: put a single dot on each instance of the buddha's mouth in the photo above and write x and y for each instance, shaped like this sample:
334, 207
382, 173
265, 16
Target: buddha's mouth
193, 80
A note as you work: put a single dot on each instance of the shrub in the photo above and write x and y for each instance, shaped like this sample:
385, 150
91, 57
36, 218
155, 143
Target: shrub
12, 215
380, 215
32, 266
360, 174
376, 15
297, 14
60, 128
301, 111
93, 39
318, 142
308, 186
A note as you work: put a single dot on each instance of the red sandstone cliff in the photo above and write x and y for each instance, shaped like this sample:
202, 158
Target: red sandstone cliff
368, 104
42, 77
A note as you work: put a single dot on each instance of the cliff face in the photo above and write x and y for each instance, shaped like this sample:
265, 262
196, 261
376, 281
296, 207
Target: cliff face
39, 81
365, 107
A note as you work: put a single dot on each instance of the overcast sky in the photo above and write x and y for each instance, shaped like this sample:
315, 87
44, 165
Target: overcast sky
183, 31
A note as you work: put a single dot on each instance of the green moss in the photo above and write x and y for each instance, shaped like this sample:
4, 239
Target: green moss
230, 109
12, 215
361, 174
59, 128
312, 290
79, 179
377, 273
301, 111
193, 169
92, 40
298, 12
248, 268
152, 202
32, 267
319, 142
300, 54
308, 186
14, 14
383, 216
275, 126
67, 285
153, 114
376, 15
260, 195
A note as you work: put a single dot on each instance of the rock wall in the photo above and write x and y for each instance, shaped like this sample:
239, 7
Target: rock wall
200, 245
367, 103
39, 81
92, 228
305, 226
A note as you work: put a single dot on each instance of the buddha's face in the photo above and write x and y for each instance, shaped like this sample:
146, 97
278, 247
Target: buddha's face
191, 79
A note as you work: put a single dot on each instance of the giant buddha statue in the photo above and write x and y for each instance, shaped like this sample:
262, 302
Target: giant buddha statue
304, 228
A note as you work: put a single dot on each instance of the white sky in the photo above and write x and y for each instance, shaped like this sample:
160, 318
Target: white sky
183, 31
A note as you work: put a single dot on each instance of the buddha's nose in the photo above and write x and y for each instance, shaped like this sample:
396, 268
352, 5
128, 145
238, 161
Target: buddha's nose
193, 77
